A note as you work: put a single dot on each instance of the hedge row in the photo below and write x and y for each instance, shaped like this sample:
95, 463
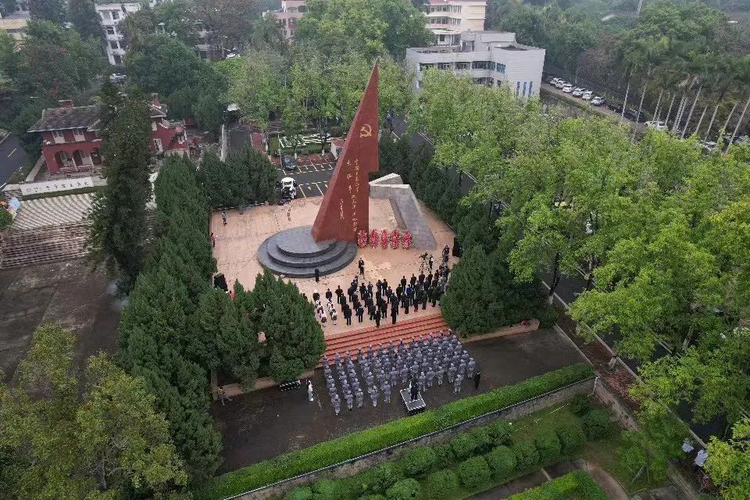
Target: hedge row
391, 433
472, 461
576, 485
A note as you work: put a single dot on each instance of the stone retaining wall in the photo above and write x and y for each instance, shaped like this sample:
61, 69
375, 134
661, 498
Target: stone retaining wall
358, 464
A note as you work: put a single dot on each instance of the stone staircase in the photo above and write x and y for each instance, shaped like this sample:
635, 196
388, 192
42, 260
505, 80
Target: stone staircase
43, 245
403, 330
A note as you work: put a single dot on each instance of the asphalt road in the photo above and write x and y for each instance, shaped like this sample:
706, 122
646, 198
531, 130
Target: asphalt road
12, 157
312, 178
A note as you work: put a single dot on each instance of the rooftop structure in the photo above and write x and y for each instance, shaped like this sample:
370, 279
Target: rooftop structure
490, 58
291, 11
447, 19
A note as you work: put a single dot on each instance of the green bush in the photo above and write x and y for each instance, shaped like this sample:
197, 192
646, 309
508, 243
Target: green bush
372, 497
571, 438
384, 476
548, 445
419, 461
328, 489
441, 484
397, 431
5, 218
502, 462
483, 440
580, 404
500, 432
464, 445
300, 494
474, 472
596, 424
445, 455
406, 489
577, 485
527, 455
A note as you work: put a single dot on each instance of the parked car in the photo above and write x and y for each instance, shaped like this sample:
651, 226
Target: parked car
615, 106
288, 162
118, 78
707, 146
587, 95
597, 101
550, 79
657, 125
567, 89
560, 83
288, 188
633, 114
577, 92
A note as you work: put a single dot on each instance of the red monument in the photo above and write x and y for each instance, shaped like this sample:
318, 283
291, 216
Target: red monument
345, 208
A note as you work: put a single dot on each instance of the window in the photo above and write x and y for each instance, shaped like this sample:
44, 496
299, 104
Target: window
181, 138
158, 146
58, 136
114, 45
78, 134
481, 64
462, 65
153, 126
115, 15
425, 66
524, 90
500, 68
531, 85
441, 38
518, 86
444, 66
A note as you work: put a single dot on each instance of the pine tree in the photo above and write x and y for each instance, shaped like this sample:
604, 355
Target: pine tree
237, 341
119, 211
84, 18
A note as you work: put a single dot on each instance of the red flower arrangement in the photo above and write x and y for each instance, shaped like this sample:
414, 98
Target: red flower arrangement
362, 238
406, 240
374, 238
395, 236
384, 239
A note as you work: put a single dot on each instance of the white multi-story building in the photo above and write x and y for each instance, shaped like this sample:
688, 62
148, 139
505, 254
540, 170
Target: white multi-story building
291, 11
447, 19
110, 16
490, 58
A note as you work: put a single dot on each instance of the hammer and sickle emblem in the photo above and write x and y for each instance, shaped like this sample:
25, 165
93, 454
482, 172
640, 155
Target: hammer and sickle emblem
365, 131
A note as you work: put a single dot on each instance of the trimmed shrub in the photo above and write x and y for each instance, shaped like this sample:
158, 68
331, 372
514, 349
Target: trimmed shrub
441, 484
547, 316
328, 489
372, 497
474, 472
464, 445
376, 438
419, 461
596, 424
573, 486
500, 432
580, 404
571, 437
406, 489
483, 440
527, 455
445, 455
384, 476
502, 462
300, 494
548, 445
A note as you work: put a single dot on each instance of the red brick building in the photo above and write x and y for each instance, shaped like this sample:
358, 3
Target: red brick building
71, 142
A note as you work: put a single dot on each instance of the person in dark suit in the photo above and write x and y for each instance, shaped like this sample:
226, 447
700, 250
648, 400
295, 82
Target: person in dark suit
377, 318
360, 313
413, 280
403, 282
317, 275
339, 292
329, 294
414, 390
394, 313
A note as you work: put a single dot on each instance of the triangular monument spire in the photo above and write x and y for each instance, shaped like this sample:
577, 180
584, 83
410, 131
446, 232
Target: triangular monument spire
345, 209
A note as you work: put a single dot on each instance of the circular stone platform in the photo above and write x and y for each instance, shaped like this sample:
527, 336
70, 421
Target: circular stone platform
294, 253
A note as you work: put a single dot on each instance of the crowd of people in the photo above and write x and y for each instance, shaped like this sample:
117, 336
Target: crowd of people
418, 365
379, 300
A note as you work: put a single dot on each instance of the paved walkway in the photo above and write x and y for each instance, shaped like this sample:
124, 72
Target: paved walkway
267, 423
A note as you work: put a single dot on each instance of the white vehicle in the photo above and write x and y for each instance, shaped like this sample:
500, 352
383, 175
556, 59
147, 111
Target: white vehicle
560, 84
117, 78
597, 101
707, 146
289, 186
554, 81
567, 89
657, 125
578, 92
587, 95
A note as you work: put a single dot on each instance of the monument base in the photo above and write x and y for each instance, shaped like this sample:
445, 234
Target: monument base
294, 253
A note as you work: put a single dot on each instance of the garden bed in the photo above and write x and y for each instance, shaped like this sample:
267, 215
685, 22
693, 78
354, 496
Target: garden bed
577, 485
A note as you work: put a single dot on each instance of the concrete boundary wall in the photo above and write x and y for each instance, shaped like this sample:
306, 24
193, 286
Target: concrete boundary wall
363, 462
